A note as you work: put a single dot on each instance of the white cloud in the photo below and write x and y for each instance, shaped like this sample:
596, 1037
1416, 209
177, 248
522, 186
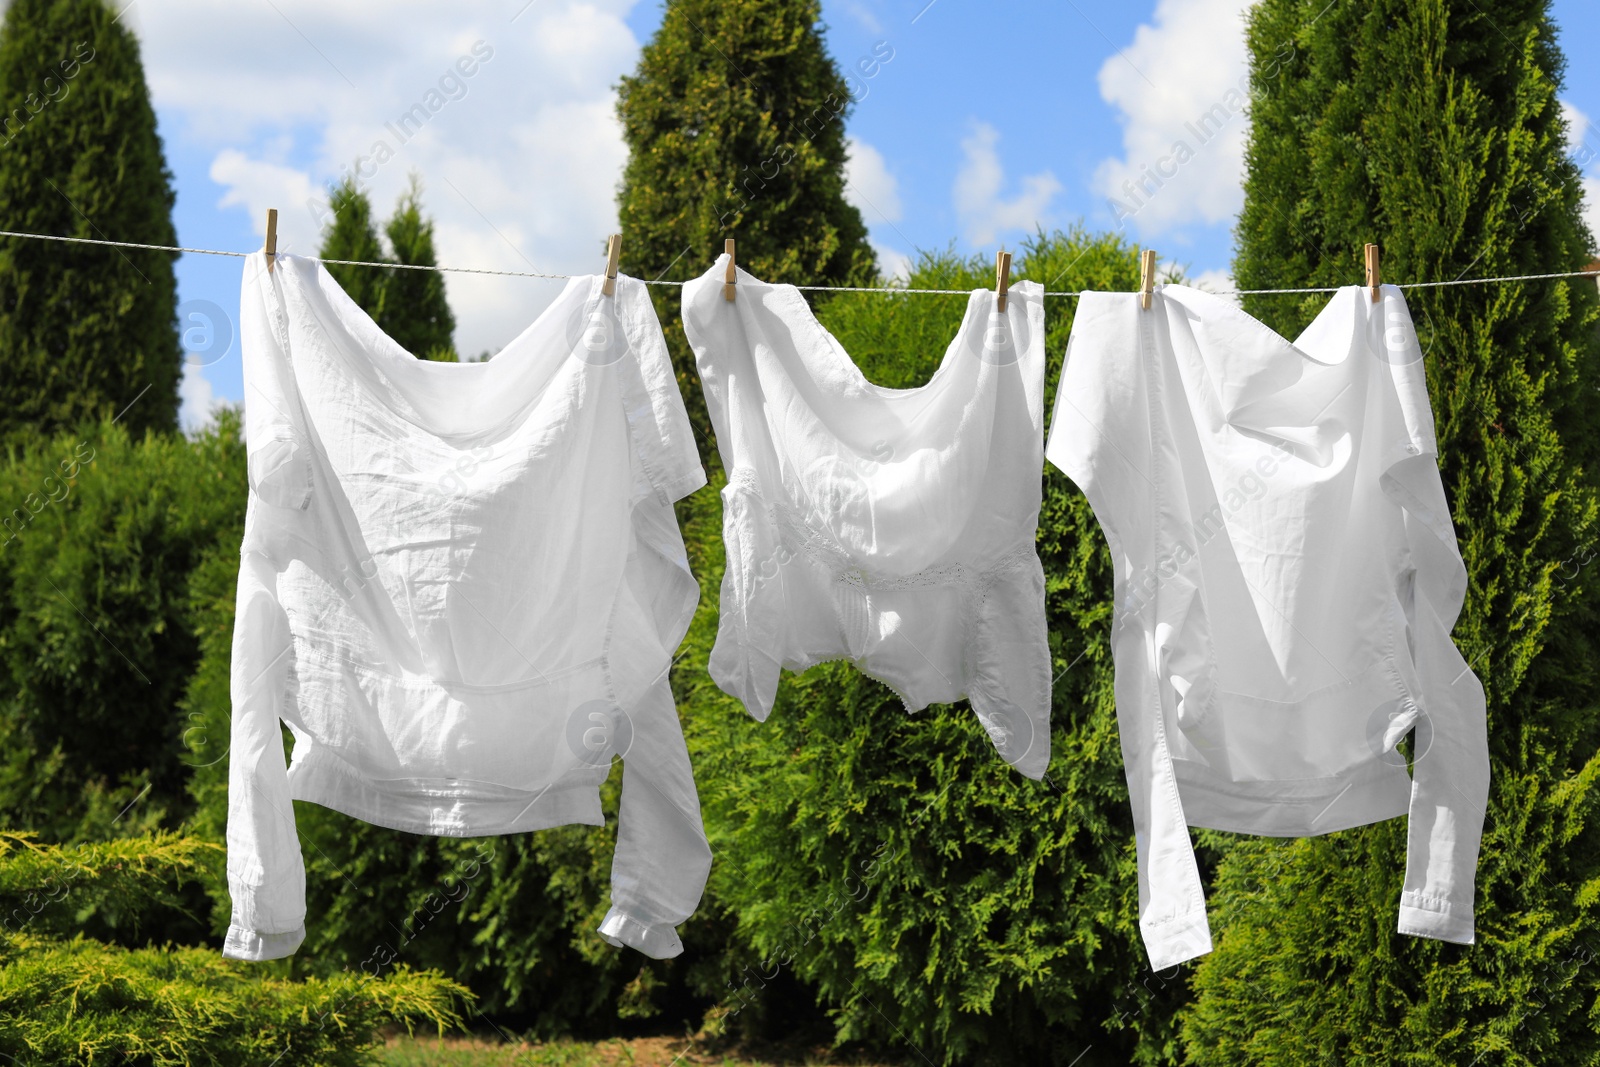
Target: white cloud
893, 264
869, 185
875, 191
1591, 205
257, 185
1216, 281
519, 161
1180, 88
197, 401
977, 191
1579, 127
862, 15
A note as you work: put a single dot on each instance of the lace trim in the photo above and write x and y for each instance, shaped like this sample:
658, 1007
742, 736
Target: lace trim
798, 535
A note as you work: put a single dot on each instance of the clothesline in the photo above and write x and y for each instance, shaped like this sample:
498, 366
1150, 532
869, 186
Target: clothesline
811, 288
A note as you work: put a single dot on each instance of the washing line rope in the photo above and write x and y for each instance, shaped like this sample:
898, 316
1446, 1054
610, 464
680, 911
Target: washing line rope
811, 288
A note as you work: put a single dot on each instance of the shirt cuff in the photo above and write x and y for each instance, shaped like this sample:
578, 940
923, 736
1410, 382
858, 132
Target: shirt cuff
658, 941
243, 944
1434, 919
1177, 940
682, 484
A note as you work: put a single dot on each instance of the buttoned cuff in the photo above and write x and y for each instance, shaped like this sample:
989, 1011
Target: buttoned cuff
1177, 940
658, 941
245, 944
680, 486
1422, 917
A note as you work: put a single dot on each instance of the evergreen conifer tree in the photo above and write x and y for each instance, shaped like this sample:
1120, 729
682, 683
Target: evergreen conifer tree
85, 332
354, 235
416, 312
734, 121
408, 305
1432, 128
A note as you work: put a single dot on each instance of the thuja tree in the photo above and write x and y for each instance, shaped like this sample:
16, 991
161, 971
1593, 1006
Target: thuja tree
891, 867
734, 122
352, 234
408, 305
1432, 128
416, 311
85, 332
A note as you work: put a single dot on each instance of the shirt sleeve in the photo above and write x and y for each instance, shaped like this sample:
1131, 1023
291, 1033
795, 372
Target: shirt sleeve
266, 875
662, 860
1450, 760
1449, 783
657, 420
1101, 436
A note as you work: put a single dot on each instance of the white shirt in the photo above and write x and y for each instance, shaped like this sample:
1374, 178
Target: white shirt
461, 586
893, 528
1287, 577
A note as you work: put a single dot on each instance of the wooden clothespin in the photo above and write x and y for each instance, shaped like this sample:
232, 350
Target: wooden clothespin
1374, 276
613, 251
1147, 276
731, 278
1002, 279
272, 237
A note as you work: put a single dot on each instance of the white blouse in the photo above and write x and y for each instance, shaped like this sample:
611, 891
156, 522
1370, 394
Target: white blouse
1287, 578
893, 528
461, 587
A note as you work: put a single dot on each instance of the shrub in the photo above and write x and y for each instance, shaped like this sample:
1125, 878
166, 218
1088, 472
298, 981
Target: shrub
80, 1002
102, 533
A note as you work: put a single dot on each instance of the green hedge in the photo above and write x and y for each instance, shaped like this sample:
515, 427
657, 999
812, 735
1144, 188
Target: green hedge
81, 1003
77, 1002
102, 535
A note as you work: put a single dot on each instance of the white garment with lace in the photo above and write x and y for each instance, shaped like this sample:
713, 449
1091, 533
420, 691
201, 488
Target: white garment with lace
461, 587
1287, 578
893, 528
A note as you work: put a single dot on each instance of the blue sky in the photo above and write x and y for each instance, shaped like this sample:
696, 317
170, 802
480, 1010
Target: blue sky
976, 122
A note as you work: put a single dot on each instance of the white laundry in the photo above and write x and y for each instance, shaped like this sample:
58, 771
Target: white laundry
893, 528
461, 587
1287, 578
